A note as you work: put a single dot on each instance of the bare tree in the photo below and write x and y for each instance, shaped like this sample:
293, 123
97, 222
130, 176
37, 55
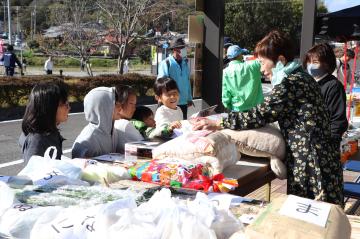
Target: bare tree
123, 17
79, 35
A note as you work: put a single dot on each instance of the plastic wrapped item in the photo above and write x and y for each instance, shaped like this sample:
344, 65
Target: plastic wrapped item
220, 152
18, 220
95, 171
7, 197
181, 173
70, 195
46, 170
107, 216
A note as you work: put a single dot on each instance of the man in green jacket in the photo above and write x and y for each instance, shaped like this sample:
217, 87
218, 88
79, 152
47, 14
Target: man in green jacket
241, 86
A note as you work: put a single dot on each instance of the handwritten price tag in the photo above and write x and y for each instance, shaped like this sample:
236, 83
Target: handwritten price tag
52, 176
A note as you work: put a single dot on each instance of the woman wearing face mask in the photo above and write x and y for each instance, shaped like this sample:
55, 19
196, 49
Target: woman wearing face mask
320, 62
313, 163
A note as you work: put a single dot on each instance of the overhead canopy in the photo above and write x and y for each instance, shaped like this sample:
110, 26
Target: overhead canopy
341, 26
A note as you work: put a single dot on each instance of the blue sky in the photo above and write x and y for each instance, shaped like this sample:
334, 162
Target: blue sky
336, 5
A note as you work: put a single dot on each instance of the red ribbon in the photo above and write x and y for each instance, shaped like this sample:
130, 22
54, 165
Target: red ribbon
204, 182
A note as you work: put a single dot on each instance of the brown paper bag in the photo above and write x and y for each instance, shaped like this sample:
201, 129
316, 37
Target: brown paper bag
271, 224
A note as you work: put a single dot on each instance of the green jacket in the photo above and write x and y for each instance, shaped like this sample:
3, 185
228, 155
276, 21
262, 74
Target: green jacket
241, 85
149, 132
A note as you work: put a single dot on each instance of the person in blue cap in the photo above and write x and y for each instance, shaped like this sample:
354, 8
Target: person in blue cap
241, 85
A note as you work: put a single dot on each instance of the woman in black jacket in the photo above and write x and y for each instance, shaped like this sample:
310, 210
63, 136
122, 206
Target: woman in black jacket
320, 62
47, 108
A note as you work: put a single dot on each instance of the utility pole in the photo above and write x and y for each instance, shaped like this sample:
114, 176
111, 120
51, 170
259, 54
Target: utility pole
9, 21
31, 25
4, 25
17, 20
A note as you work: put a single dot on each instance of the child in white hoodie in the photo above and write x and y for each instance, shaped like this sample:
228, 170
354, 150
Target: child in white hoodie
168, 115
103, 106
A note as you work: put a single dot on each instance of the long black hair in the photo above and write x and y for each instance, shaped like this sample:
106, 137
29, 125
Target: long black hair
164, 84
40, 113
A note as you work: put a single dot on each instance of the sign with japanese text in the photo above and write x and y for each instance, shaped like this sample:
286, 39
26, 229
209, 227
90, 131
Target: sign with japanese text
307, 210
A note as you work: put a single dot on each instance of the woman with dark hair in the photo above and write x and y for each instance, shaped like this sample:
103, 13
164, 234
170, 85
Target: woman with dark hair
46, 109
102, 107
313, 163
320, 62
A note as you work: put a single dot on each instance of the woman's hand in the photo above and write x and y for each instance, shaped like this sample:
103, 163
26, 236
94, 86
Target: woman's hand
206, 124
175, 125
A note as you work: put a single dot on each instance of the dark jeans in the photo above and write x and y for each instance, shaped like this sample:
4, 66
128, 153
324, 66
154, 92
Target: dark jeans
184, 109
49, 72
9, 71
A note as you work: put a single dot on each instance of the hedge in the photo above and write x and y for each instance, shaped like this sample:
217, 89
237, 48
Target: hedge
14, 91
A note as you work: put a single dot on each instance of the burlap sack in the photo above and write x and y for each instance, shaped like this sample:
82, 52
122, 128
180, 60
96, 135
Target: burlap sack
270, 224
264, 142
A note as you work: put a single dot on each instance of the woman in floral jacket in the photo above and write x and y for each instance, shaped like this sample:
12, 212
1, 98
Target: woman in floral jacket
313, 163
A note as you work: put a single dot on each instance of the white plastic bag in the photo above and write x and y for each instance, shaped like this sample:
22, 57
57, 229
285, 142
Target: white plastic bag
47, 170
18, 220
7, 197
60, 225
95, 222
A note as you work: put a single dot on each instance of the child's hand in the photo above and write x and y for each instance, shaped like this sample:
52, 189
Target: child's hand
175, 125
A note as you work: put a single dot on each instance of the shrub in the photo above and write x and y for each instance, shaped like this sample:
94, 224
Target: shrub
32, 44
14, 91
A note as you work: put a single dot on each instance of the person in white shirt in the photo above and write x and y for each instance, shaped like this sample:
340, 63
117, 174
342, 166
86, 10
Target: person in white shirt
48, 66
126, 66
169, 114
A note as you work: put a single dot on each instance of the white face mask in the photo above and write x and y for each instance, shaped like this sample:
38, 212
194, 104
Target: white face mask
183, 53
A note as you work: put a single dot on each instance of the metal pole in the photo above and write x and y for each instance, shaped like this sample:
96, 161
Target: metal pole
31, 26
9, 21
17, 20
4, 30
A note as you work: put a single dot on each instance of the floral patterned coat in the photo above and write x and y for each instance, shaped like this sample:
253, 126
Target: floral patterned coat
312, 160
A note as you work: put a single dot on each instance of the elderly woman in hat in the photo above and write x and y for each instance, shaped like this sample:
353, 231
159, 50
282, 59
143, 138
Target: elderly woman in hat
176, 67
312, 161
241, 85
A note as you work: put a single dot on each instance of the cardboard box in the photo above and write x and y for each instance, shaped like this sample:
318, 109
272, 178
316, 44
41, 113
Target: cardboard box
140, 149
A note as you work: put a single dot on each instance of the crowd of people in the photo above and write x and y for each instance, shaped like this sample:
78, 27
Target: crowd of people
307, 101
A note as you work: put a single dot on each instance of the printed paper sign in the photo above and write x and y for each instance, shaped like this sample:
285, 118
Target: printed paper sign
306, 210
